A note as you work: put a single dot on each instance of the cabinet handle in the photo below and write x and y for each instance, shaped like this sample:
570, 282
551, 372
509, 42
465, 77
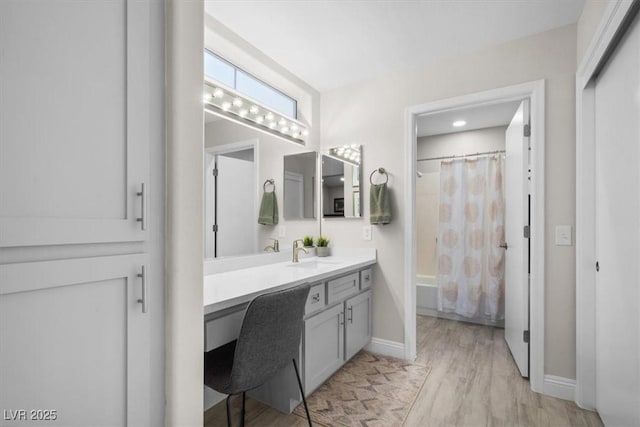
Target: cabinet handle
143, 300
316, 297
350, 309
366, 277
143, 207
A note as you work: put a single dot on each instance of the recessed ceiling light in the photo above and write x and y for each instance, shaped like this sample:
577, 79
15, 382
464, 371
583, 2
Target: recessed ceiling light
459, 123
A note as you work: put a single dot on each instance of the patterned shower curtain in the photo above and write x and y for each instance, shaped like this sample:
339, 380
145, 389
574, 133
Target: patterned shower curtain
470, 232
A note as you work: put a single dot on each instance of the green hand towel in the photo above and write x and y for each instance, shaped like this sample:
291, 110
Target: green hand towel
380, 209
268, 214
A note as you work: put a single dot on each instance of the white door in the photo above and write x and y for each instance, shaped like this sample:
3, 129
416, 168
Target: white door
75, 341
74, 122
236, 211
293, 195
517, 252
617, 234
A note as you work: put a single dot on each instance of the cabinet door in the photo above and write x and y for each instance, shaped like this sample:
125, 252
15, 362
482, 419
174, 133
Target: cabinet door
74, 121
323, 346
358, 323
74, 339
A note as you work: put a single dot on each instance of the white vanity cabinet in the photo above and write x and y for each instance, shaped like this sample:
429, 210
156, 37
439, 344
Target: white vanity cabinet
334, 335
337, 317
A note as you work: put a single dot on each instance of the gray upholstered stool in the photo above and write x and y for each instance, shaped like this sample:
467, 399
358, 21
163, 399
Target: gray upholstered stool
269, 340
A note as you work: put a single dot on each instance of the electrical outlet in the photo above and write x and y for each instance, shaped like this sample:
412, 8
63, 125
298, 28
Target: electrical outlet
563, 235
366, 232
282, 231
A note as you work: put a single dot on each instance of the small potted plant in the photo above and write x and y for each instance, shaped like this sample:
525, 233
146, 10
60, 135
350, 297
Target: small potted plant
322, 248
307, 241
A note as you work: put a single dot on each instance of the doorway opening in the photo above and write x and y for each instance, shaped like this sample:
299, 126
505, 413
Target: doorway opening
231, 199
446, 173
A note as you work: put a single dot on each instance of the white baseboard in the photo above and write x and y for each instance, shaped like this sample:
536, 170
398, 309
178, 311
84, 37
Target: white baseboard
560, 387
386, 348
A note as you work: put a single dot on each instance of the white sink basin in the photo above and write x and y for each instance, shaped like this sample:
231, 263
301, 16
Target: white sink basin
314, 264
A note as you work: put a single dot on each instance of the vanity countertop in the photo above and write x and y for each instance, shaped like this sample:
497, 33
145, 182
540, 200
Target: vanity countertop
223, 290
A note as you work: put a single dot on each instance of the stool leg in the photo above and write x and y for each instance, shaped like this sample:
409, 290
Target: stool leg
228, 411
243, 398
306, 409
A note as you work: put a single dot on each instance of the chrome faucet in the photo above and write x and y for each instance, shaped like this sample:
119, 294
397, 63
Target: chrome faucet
275, 247
297, 249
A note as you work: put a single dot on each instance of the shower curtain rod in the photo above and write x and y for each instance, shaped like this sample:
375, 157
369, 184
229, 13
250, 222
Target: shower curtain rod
461, 156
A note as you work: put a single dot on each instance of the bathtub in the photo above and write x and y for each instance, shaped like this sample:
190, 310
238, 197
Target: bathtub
426, 295
427, 302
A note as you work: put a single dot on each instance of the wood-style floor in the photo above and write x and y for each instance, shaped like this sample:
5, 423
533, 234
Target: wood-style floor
473, 382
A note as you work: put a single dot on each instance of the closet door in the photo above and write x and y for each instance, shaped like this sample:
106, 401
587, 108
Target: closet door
75, 342
617, 234
74, 121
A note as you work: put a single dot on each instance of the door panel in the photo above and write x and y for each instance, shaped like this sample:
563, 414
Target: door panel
617, 239
323, 346
74, 339
516, 217
237, 214
358, 323
74, 128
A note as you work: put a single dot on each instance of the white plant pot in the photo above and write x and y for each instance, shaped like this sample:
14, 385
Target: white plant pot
323, 251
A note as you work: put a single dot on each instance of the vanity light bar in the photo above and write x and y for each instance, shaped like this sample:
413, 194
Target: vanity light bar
347, 153
229, 104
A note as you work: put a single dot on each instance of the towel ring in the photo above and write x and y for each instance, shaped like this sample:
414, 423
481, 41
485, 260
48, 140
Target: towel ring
381, 171
269, 181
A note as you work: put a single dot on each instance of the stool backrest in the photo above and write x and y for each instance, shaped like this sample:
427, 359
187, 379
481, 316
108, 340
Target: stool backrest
270, 336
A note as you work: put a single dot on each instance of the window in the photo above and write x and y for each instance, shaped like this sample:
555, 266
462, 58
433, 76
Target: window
244, 83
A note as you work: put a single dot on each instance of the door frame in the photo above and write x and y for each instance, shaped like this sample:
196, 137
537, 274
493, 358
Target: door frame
604, 40
209, 157
535, 91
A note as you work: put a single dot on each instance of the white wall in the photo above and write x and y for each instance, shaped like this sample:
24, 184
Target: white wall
184, 238
372, 113
271, 152
428, 187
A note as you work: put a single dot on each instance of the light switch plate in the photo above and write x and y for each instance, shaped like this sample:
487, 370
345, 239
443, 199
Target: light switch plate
282, 231
366, 232
563, 235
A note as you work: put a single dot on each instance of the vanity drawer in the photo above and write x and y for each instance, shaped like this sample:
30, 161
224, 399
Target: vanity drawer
316, 299
366, 277
343, 287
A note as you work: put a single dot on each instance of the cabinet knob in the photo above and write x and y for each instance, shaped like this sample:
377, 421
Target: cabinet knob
316, 297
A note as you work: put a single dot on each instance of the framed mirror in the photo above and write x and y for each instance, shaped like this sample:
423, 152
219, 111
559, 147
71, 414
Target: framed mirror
299, 183
341, 177
238, 162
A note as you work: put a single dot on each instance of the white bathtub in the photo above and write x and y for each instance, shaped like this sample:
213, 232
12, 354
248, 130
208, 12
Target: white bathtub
426, 295
427, 302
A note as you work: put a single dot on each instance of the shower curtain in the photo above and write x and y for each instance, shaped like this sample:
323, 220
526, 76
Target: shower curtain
470, 232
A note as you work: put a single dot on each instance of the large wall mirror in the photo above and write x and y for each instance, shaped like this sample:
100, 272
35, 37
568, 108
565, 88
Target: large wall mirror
341, 178
299, 183
244, 159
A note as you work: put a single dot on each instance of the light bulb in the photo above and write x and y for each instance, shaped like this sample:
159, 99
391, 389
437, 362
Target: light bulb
272, 125
259, 119
207, 97
305, 132
459, 123
282, 122
243, 112
269, 117
237, 102
226, 105
294, 126
254, 109
218, 93
284, 129
342, 178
